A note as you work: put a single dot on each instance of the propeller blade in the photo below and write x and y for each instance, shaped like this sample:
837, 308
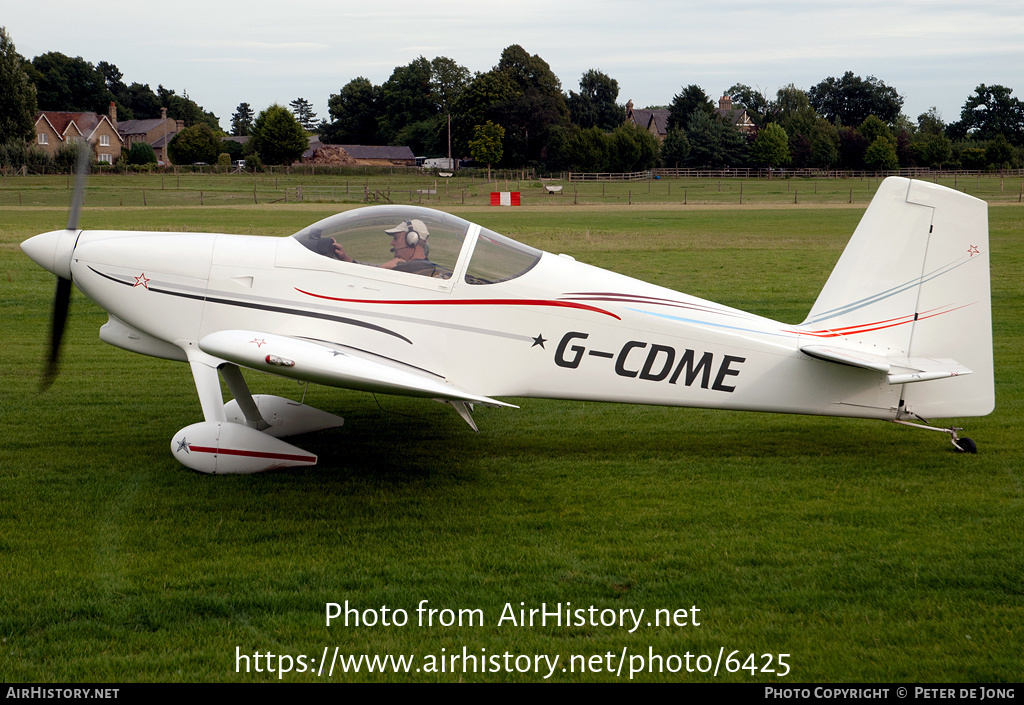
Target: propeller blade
61, 302
62, 297
81, 172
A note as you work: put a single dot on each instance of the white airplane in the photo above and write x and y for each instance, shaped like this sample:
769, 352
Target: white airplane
902, 330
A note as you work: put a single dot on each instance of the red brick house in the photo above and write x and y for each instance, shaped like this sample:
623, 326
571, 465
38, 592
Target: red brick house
55, 129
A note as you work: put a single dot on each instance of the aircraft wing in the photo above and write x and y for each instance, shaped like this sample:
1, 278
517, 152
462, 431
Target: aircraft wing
333, 365
898, 370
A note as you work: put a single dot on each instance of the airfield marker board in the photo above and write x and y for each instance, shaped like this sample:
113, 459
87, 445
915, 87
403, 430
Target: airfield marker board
505, 198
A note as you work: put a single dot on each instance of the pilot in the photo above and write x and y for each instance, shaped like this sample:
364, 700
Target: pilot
408, 244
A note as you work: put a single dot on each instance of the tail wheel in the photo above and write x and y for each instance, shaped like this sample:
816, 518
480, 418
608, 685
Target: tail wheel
965, 445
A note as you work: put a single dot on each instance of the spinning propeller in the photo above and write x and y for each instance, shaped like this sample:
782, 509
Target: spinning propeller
53, 252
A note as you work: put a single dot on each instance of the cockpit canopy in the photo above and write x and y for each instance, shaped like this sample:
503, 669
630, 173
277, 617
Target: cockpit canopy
419, 241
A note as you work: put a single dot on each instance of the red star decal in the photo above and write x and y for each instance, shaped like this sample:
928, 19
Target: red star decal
260, 342
973, 250
142, 280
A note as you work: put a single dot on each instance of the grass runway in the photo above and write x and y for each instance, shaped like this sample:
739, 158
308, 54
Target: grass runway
865, 551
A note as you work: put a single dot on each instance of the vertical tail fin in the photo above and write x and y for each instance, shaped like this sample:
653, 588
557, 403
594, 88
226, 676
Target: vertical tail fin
913, 282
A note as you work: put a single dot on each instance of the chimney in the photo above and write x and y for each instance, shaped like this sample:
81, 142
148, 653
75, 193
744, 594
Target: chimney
725, 103
163, 113
113, 115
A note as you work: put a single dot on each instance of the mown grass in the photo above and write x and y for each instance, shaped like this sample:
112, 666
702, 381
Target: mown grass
867, 551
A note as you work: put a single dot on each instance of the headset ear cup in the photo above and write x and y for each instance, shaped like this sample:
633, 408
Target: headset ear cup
412, 238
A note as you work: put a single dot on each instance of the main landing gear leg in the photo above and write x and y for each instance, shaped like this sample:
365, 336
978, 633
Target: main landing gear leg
223, 445
962, 445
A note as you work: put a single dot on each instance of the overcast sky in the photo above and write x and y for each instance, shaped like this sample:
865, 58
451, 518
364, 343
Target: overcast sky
934, 52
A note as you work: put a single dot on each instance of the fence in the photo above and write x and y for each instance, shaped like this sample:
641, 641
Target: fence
688, 173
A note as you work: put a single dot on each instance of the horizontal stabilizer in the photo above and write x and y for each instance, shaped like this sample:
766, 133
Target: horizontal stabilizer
333, 365
898, 370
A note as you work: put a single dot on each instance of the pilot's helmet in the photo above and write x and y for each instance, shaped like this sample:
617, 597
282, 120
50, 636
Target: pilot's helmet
415, 231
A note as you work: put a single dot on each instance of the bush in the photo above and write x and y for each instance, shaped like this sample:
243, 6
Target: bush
197, 143
223, 159
38, 161
141, 153
66, 159
253, 163
13, 154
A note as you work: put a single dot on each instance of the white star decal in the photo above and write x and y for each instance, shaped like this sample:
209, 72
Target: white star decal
142, 280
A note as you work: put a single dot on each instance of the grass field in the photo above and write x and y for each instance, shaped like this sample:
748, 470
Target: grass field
867, 552
412, 186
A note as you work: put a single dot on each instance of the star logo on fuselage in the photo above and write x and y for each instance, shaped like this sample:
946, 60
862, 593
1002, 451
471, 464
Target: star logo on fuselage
182, 445
539, 340
973, 250
259, 342
142, 280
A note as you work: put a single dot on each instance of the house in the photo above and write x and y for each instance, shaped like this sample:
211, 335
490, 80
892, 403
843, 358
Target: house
653, 120
737, 117
156, 132
56, 129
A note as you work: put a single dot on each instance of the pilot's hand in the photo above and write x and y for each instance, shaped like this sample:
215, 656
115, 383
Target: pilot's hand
339, 251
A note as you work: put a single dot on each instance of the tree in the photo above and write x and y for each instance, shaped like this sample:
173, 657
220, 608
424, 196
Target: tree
676, 148
930, 123
353, 113
447, 81
486, 144
303, 111
573, 148
67, 84
881, 154
483, 99
144, 103
771, 148
812, 139
825, 146
594, 105
934, 150
713, 142
17, 94
197, 143
991, 111
405, 98
850, 99
632, 148
424, 137
241, 120
536, 106
277, 137
999, 152
754, 101
790, 100
852, 147
686, 103
234, 149
872, 128
112, 77
181, 107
